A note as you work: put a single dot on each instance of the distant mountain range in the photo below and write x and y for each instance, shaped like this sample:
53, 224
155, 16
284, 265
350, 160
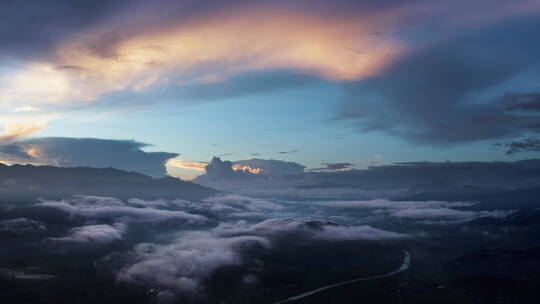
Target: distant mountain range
29, 183
488, 198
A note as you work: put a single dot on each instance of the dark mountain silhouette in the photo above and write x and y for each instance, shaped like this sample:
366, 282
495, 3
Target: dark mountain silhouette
436, 176
29, 183
487, 198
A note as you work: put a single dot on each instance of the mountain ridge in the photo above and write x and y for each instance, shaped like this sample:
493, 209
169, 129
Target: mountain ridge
29, 182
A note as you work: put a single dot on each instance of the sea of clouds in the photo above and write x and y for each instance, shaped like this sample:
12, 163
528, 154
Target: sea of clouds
202, 236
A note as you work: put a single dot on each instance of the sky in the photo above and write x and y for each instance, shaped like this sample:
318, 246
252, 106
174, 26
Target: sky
135, 84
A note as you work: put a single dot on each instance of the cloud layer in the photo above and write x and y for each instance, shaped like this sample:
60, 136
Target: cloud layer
315, 229
460, 89
426, 212
175, 248
94, 207
79, 152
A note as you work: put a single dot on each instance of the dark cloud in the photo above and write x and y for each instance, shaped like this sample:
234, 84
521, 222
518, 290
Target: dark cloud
218, 169
33, 28
13, 150
333, 166
92, 152
250, 169
526, 145
22, 226
434, 94
432, 176
522, 101
288, 152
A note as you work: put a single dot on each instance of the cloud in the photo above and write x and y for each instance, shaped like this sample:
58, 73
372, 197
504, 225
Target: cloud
115, 21
333, 167
16, 125
450, 91
95, 234
116, 53
191, 51
27, 108
527, 144
16, 131
92, 152
375, 160
315, 229
446, 180
182, 266
273, 168
445, 215
106, 208
13, 153
221, 206
288, 152
363, 232
24, 39
434, 176
427, 212
248, 83
522, 101
395, 205
249, 203
22, 226
21, 275
186, 164
252, 169
218, 169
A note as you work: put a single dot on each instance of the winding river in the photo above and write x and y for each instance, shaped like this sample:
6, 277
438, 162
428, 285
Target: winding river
403, 267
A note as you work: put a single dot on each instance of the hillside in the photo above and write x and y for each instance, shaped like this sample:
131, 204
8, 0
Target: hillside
28, 182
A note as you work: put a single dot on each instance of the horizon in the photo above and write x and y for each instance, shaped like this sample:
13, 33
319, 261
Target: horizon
266, 152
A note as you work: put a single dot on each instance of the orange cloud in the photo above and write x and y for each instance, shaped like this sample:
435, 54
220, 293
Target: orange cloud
247, 169
36, 152
136, 49
17, 131
209, 49
185, 164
